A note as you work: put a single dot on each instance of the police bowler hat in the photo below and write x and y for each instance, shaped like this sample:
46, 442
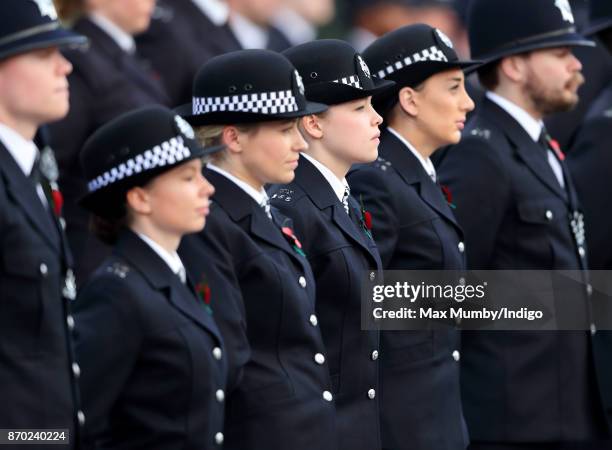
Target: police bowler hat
31, 25
499, 28
600, 16
247, 86
334, 72
132, 149
410, 55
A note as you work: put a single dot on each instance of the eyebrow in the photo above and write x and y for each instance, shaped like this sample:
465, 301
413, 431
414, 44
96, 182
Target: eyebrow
456, 79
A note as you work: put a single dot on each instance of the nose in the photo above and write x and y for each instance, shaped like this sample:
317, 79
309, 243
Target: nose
376, 118
298, 144
64, 66
575, 64
468, 103
207, 189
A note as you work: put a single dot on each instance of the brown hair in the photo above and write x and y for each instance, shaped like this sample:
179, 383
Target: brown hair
488, 76
209, 135
107, 229
69, 10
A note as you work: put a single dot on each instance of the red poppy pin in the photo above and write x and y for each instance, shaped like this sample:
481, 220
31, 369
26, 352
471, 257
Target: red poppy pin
448, 195
293, 240
57, 199
554, 144
366, 219
204, 294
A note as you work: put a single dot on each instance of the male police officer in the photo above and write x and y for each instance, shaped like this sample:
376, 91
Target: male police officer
590, 158
518, 208
37, 372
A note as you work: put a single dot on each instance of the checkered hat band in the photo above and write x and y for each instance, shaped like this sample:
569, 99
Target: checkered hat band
432, 53
352, 81
166, 153
262, 103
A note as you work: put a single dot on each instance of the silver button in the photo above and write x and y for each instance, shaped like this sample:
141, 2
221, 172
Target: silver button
461, 247
593, 329
43, 269
374, 355
70, 322
219, 438
589, 289
217, 353
581, 252
456, 355
76, 370
81, 417
302, 281
549, 214
62, 223
371, 394
328, 396
319, 358
313, 320
220, 395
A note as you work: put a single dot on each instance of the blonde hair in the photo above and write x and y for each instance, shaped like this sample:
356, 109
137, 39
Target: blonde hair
209, 135
69, 10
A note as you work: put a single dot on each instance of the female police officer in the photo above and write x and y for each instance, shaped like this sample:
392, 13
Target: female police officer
152, 364
250, 101
336, 237
415, 229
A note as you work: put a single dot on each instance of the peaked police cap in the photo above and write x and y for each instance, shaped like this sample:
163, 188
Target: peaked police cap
132, 149
247, 86
27, 25
333, 72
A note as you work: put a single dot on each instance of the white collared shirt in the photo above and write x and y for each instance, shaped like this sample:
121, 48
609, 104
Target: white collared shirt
23, 151
216, 10
260, 197
171, 259
532, 126
338, 185
249, 34
425, 162
124, 40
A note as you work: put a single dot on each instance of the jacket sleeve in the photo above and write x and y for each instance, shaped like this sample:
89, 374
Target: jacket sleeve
480, 189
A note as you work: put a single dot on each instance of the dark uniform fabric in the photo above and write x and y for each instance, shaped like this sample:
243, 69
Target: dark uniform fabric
590, 163
280, 400
341, 254
151, 356
414, 229
37, 387
521, 387
179, 40
105, 82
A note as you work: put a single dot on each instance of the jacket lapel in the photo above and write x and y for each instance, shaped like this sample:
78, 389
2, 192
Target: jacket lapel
24, 193
155, 270
529, 151
412, 172
318, 189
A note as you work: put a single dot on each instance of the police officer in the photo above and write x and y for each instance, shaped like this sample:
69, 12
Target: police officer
336, 237
415, 227
518, 207
108, 79
589, 158
183, 35
37, 385
250, 100
153, 370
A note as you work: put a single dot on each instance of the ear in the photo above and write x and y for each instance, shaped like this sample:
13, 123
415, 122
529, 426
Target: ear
409, 101
231, 138
312, 126
514, 67
137, 199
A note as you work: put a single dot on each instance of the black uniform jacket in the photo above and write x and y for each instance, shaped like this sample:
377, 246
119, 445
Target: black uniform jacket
152, 364
179, 40
37, 387
414, 229
105, 82
522, 386
341, 253
281, 399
